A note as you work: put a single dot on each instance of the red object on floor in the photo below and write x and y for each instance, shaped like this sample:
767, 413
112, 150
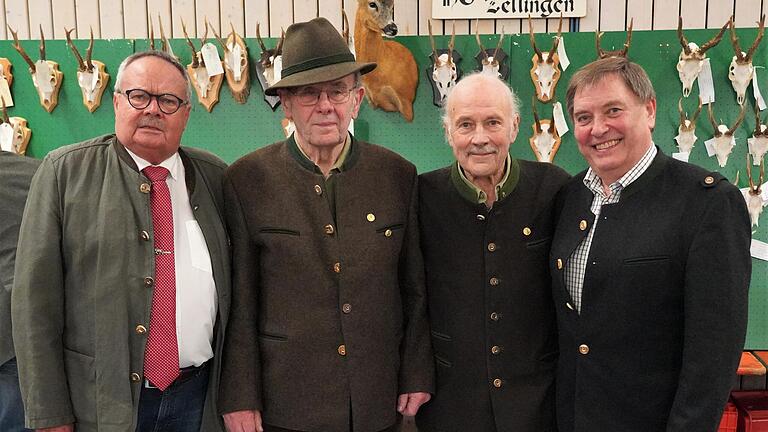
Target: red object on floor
753, 410
730, 418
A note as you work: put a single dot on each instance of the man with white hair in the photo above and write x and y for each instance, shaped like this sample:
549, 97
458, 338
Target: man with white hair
486, 221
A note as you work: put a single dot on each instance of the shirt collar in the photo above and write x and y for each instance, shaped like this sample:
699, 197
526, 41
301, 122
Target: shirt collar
474, 194
339, 164
171, 164
593, 182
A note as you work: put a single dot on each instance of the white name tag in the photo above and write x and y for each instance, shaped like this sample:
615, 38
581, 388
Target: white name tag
212, 59
564, 62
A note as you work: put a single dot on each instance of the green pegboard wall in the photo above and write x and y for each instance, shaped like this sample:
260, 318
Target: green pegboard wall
233, 130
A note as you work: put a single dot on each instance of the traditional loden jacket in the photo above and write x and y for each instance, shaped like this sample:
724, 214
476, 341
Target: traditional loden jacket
329, 312
84, 272
664, 304
15, 176
490, 301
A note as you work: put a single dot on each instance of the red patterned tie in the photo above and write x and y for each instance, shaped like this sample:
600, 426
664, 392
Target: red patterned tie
161, 357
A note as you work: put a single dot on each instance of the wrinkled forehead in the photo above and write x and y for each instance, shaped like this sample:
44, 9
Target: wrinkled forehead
154, 75
344, 82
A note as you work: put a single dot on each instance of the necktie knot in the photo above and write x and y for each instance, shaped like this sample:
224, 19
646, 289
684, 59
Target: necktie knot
156, 173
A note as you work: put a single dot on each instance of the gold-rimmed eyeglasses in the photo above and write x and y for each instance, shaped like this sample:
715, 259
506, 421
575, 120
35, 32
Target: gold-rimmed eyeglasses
310, 95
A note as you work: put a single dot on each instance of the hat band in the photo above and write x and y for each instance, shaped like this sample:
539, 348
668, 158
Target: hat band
318, 62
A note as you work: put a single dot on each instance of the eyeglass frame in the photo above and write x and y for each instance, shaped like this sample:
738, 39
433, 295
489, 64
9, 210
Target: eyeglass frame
324, 89
157, 97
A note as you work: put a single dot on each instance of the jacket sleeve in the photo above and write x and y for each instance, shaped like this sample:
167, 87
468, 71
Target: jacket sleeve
417, 364
241, 386
37, 305
717, 277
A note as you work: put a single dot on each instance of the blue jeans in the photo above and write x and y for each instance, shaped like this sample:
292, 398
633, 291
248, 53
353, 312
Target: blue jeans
11, 408
177, 409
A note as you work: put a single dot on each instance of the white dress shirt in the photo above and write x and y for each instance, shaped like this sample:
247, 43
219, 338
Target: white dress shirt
196, 301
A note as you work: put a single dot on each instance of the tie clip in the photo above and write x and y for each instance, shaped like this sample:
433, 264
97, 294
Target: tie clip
162, 252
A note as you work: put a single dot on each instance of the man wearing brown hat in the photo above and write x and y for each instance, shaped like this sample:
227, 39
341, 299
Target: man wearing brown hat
329, 328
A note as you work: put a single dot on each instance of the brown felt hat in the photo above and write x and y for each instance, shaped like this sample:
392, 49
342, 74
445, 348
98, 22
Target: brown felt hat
315, 52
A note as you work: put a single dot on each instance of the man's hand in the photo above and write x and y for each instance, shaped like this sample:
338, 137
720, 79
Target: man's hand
243, 421
65, 428
408, 403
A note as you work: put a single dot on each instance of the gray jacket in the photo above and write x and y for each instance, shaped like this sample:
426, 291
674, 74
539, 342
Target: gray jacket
15, 175
84, 252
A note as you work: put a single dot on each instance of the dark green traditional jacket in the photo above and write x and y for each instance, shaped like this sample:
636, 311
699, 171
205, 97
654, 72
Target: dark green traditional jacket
490, 302
83, 283
329, 312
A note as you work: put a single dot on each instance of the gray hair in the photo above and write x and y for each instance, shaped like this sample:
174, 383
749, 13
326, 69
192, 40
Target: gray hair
477, 78
153, 53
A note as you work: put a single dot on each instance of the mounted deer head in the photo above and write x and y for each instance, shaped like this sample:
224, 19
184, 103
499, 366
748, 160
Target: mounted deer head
754, 194
723, 141
46, 76
545, 72
206, 87
758, 143
443, 73
741, 70
392, 85
601, 53
692, 56
269, 66
492, 61
236, 65
14, 133
545, 140
686, 130
92, 76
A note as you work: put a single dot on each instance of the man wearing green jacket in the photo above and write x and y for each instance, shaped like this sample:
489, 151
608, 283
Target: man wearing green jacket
122, 275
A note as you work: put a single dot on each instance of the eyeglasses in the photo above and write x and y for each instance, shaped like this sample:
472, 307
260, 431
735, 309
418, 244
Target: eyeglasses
140, 99
310, 95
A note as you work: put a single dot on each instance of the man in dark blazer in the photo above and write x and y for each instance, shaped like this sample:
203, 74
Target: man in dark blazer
329, 310
15, 175
121, 288
650, 269
486, 223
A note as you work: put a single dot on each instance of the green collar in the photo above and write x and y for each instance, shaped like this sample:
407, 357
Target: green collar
346, 160
473, 194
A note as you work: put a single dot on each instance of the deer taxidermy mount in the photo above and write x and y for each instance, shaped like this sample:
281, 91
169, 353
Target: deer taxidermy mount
758, 143
46, 75
269, 66
443, 73
492, 61
601, 53
753, 195
206, 87
723, 140
6, 79
392, 85
691, 58
686, 130
14, 133
741, 70
235, 64
92, 76
545, 72
545, 140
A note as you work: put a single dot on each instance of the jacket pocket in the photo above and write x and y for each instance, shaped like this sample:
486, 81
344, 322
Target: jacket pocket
81, 378
537, 243
646, 260
273, 337
275, 230
441, 336
442, 362
392, 227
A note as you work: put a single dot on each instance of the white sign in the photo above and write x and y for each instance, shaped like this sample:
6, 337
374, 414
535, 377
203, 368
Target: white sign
503, 9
